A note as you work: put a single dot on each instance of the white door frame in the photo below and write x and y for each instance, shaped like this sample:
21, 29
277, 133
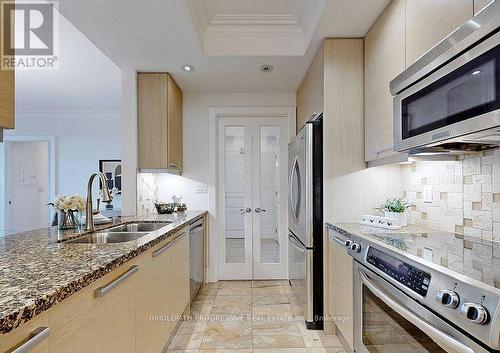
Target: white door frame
51, 142
215, 224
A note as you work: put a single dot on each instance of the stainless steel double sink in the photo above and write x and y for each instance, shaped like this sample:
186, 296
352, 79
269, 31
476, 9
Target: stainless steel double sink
121, 233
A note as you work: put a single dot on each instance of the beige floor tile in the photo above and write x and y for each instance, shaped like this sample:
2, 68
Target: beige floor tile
235, 305
280, 350
201, 307
182, 351
267, 334
330, 341
267, 299
274, 290
274, 311
222, 350
326, 350
207, 291
228, 334
188, 336
298, 310
235, 288
259, 284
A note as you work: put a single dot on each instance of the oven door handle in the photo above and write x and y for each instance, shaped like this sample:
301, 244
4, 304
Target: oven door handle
444, 340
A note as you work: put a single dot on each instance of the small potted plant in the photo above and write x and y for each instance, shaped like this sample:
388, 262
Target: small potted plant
67, 207
396, 208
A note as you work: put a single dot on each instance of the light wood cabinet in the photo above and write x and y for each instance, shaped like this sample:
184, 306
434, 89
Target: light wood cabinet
310, 93
85, 323
384, 60
340, 302
159, 122
179, 274
429, 21
24, 335
481, 4
162, 296
7, 91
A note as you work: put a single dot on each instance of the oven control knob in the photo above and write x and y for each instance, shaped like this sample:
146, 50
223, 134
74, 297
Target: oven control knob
356, 247
475, 313
448, 298
348, 243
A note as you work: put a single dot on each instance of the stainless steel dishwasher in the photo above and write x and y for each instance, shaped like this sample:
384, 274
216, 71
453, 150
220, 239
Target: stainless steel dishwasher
196, 255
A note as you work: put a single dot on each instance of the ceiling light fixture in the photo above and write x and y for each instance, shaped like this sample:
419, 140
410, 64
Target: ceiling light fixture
477, 72
187, 68
266, 68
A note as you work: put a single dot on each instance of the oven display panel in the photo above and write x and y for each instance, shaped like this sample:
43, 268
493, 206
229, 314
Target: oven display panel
409, 276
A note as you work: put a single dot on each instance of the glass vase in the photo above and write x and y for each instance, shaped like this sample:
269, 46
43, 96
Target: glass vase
67, 220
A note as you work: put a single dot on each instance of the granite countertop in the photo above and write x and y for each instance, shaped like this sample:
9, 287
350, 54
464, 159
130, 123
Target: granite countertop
476, 258
39, 268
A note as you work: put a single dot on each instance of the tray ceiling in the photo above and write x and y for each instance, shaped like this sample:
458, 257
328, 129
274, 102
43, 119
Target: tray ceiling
255, 28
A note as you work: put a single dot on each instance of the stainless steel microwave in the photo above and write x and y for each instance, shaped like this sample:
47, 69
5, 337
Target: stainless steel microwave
449, 99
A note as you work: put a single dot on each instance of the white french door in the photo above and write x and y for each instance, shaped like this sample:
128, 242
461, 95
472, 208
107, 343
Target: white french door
252, 193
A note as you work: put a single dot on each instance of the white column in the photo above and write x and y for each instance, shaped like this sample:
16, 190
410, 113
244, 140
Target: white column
129, 143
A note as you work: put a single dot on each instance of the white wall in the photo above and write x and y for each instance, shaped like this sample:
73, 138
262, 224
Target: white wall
81, 141
196, 147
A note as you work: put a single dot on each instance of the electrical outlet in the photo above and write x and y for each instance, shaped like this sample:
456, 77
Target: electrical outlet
427, 195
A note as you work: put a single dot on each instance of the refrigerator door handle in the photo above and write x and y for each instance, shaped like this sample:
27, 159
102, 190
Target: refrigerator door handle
296, 245
294, 204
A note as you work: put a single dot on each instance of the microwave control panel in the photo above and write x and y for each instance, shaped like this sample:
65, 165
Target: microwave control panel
404, 273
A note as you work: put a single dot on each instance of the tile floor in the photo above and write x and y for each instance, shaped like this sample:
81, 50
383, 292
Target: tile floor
248, 317
235, 248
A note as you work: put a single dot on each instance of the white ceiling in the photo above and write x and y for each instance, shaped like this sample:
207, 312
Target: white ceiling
159, 35
265, 28
87, 80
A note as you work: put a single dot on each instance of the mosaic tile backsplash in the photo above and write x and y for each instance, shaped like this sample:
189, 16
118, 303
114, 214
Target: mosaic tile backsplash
465, 194
147, 192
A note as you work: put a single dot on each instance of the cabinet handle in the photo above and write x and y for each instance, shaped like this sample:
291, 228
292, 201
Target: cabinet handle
101, 291
35, 337
167, 246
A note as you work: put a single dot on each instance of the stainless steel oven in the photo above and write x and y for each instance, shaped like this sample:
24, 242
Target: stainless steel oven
450, 98
404, 303
387, 321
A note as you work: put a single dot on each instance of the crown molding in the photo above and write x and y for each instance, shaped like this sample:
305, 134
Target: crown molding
255, 34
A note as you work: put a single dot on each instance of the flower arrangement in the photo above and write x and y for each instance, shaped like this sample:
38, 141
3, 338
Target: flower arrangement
69, 203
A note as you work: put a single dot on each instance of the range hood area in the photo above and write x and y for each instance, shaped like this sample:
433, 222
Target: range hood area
448, 101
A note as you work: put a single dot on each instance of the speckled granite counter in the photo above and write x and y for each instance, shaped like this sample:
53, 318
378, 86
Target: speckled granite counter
475, 258
39, 269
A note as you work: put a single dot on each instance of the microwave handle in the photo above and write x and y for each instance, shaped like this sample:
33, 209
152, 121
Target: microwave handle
443, 339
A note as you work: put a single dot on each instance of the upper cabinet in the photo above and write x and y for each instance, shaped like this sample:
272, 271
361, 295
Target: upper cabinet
310, 93
430, 21
7, 90
159, 122
404, 32
384, 60
481, 4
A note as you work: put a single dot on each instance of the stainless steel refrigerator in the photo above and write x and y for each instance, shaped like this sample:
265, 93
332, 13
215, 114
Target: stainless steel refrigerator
305, 220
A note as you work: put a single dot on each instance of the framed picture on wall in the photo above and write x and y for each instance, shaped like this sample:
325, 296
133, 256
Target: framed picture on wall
112, 168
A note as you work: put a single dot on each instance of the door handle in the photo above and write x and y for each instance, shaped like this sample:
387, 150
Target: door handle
245, 210
258, 210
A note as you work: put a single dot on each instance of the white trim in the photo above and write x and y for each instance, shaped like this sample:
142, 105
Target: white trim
214, 113
51, 142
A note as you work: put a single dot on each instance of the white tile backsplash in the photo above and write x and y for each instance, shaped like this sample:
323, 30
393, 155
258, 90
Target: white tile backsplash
465, 194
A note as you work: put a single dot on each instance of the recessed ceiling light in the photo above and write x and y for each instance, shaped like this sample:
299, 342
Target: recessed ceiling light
266, 68
477, 72
187, 68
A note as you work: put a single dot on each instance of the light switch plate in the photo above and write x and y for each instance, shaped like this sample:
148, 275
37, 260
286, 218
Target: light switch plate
427, 195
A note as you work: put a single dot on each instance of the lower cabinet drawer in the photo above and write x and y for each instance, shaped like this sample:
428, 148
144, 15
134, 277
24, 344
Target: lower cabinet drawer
31, 337
99, 318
